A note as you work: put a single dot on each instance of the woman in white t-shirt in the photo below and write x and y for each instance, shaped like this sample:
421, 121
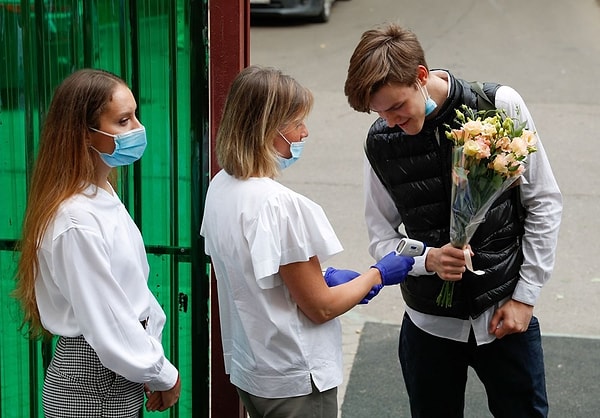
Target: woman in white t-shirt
281, 339
83, 272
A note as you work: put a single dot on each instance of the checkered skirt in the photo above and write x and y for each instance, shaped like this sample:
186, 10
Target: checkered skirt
77, 385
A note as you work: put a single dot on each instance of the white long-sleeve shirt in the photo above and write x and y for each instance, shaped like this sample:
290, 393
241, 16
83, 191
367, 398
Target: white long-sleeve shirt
92, 281
542, 200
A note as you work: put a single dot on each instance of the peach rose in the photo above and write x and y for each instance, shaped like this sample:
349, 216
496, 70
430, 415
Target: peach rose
519, 146
473, 128
500, 164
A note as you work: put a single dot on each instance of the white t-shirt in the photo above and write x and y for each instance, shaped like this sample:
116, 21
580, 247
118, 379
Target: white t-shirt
251, 227
92, 281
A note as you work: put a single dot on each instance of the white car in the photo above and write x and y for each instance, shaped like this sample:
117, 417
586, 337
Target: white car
315, 10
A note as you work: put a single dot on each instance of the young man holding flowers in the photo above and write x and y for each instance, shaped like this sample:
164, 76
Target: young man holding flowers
488, 323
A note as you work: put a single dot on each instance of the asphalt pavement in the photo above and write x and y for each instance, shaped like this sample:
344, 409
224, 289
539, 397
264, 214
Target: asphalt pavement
549, 51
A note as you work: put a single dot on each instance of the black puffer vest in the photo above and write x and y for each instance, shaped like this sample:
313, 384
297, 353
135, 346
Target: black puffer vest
416, 171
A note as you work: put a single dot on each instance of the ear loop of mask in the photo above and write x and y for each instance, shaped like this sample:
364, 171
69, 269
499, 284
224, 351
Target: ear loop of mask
283, 136
430, 104
295, 149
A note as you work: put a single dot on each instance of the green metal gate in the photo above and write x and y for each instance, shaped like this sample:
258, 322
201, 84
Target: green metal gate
153, 45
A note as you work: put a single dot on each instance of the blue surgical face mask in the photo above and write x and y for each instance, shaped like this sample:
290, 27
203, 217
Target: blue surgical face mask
430, 104
129, 147
296, 150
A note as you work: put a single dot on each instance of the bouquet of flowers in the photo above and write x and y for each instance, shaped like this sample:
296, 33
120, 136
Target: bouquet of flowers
488, 157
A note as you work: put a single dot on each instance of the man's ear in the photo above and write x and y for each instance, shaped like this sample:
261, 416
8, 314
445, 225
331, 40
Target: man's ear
422, 75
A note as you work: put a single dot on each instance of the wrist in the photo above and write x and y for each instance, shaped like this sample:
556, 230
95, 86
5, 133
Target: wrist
176, 387
429, 263
377, 278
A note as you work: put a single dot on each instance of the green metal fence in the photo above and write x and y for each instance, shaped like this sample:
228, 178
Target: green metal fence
160, 48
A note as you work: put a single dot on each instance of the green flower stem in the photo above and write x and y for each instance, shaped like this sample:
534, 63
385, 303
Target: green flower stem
444, 298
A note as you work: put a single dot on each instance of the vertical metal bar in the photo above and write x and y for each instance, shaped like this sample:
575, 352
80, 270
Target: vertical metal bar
33, 366
174, 186
124, 42
87, 23
40, 49
77, 35
130, 10
29, 64
229, 40
199, 111
34, 45
134, 42
134, 23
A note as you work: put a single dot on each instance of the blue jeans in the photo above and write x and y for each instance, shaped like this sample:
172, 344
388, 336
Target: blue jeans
510, 368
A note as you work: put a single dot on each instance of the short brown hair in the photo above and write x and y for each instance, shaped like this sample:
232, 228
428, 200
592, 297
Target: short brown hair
386, 54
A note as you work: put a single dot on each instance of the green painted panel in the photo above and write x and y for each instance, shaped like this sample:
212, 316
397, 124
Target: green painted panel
12, 172
148, 43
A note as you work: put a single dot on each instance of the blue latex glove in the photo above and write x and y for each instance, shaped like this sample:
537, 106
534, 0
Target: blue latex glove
334, 277
394, 268
372, 293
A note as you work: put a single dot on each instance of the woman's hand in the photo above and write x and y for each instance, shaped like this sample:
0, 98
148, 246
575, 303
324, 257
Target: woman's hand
154, 402
171, 396
163, 400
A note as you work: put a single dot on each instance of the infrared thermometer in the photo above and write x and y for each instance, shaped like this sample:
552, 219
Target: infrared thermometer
410, 247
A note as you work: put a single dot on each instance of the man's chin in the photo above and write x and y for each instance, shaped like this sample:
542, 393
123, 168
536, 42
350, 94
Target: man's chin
410, 128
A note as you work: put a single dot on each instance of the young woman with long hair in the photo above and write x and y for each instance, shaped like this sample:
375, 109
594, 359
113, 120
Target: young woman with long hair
82, 274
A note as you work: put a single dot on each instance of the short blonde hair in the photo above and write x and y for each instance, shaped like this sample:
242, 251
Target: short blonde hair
387, 54
261, 101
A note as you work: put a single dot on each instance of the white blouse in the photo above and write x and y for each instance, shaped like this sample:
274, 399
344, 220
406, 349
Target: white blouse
271, 349
92, 281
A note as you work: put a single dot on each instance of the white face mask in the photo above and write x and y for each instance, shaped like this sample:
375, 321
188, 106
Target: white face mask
296, 151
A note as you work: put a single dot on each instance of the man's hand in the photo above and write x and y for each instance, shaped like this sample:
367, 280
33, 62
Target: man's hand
511, 318
448, 262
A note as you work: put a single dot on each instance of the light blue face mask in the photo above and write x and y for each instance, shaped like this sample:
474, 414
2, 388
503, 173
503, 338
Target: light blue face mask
296, 150
129, 147
430, 104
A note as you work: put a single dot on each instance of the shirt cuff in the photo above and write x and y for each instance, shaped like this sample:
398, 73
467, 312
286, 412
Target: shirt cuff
166, 379
526, 293
418, 268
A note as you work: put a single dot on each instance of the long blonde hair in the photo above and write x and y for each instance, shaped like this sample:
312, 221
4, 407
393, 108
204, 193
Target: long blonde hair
64, 167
